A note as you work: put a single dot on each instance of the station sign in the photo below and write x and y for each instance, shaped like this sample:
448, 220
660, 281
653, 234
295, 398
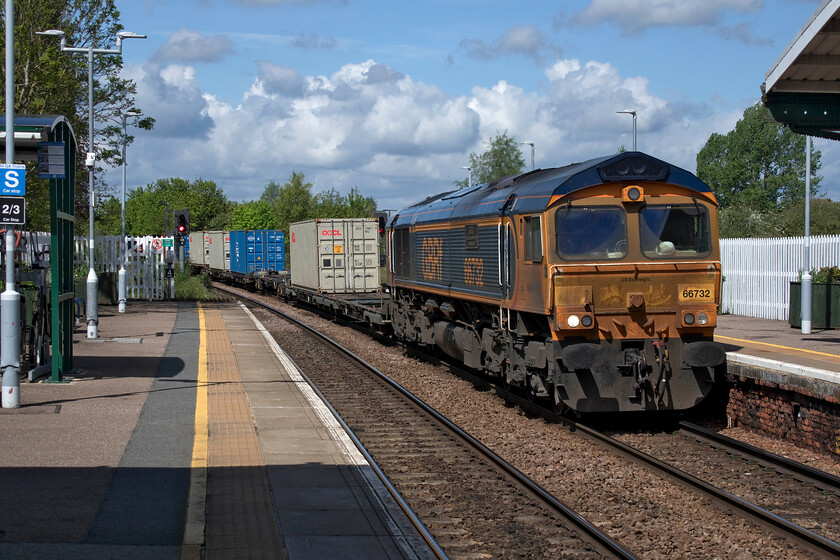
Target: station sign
12, 210
14, 179
51, 160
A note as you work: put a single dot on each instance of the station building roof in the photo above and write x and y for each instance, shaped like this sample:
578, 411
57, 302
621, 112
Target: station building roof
802, 88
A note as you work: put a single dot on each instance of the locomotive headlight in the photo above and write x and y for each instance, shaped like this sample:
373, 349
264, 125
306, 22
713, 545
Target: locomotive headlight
688, 318
702, 318
633, 193
586, 321
573, 321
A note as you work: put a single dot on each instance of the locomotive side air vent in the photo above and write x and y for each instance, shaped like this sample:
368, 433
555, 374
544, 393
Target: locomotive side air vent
634, 168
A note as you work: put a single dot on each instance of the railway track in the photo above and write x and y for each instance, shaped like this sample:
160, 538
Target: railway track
794, 499
473, 503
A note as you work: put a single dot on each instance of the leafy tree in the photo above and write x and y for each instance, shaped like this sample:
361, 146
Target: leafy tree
502, 158
329, 204
292, 202
359, 206
256, 214
108, 217
825, 218
48, 81
760, 164
146, 206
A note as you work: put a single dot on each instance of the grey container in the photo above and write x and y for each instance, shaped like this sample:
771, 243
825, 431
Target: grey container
197, 252
335, 255
217, 249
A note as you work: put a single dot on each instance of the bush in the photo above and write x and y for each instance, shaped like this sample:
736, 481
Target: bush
192, 288
825, 275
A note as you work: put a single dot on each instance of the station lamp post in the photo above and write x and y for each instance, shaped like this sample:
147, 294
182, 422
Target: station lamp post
10, 314
631, 112
121, 279
532, 153
469, 176
92, 309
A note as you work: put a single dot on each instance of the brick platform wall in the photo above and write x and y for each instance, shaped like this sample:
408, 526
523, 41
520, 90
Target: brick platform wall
791, 413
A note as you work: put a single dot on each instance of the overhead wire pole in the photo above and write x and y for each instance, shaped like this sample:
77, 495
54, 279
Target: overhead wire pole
10, 299
91, 305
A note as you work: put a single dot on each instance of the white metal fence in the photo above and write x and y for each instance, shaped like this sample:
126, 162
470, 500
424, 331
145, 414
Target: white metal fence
757, 272
145, 265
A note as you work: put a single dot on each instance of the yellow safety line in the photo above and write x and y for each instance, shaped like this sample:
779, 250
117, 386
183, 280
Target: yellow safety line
199, 459
194, 528
717, 336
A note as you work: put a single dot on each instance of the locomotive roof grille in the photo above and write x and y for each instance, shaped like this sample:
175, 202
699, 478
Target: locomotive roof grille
634, 168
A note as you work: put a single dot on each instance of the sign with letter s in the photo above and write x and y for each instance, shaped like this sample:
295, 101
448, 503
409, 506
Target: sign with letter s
14, 179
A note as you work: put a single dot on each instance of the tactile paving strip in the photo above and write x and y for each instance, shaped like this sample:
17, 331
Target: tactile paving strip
240, 518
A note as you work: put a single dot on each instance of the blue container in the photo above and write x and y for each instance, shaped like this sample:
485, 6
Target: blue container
256, 251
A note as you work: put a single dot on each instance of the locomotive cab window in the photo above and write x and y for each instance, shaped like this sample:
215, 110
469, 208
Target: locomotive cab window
591, 232
533, 238
674, 231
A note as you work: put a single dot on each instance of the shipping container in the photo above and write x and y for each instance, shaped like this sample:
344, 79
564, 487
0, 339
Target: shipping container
335, 255
195, 248
256, 251
217, 249
275, 250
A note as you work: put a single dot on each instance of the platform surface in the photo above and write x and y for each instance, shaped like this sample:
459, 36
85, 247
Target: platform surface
186, 433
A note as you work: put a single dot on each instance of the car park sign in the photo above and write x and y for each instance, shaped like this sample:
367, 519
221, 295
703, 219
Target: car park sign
14, 179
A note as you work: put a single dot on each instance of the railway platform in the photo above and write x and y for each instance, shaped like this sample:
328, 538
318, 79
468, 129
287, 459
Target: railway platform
778, 353
184, 432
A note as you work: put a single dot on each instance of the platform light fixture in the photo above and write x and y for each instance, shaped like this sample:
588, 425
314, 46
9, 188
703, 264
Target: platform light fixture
92, 309
631, 112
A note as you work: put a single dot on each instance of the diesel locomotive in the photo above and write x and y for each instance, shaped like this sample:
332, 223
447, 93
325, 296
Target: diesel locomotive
595, 285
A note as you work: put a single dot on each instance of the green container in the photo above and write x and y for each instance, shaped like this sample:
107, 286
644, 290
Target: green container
825, 305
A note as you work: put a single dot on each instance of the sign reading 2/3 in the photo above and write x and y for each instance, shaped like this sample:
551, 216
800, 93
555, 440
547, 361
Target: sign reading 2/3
12, 210
14, 179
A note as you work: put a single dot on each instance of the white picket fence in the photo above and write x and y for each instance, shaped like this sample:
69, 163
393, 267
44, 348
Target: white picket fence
757, 272
145, 263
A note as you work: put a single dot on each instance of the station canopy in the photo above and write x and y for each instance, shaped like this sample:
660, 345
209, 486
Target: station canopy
29, 131
802, 88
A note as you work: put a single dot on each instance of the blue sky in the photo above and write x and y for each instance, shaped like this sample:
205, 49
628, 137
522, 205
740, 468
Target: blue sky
392, 97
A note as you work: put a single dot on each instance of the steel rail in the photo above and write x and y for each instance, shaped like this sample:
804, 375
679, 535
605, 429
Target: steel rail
595, 534
760, 515
777, 462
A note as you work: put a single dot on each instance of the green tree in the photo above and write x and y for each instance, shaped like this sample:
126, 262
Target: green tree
825, 218
329, 204
502, 158
758, 165
48, 81
146, 206
359, 206
256, 214
292, 202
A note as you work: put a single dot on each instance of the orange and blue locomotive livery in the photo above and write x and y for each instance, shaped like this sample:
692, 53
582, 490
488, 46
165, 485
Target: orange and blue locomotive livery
595, 285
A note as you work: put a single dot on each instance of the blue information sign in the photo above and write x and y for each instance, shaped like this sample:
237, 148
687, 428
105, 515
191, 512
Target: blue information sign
14, 179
